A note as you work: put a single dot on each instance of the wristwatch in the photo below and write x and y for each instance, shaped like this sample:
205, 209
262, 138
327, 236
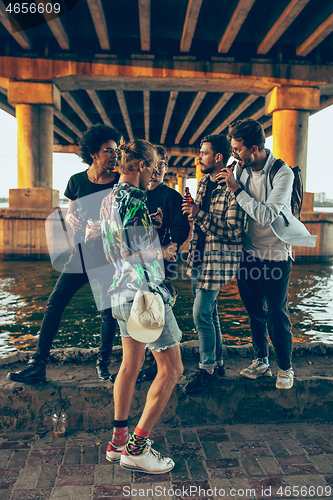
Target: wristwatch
239, 190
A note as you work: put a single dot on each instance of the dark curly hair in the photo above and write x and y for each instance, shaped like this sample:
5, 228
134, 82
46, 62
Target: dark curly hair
92, 140
219, 144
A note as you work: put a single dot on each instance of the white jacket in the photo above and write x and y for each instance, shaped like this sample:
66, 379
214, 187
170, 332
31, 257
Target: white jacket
277, 202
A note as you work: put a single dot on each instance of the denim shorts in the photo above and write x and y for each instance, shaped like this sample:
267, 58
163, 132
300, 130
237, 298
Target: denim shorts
170, 336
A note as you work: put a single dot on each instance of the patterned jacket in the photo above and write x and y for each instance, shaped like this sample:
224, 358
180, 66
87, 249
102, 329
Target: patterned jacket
223, 225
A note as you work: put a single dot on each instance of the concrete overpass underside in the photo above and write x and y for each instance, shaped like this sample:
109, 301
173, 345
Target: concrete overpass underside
169, 72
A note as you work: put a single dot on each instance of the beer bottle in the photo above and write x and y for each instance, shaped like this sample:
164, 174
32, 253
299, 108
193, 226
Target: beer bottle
188, 198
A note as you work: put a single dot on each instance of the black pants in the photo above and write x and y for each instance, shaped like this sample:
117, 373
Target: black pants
263, 287
66, 287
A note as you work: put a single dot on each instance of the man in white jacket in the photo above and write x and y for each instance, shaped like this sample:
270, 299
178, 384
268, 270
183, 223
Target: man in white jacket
265, 266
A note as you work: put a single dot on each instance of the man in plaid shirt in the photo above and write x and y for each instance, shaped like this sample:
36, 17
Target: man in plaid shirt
214, 255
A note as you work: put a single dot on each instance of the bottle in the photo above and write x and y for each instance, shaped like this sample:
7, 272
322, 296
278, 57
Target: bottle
59, 421
188, 198
166, 238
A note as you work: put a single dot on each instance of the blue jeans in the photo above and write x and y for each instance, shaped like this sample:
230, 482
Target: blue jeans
65, 288
263, 287
207, 324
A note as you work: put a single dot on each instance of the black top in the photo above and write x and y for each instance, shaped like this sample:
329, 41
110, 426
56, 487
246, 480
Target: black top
88, 197
170, 202
205, 205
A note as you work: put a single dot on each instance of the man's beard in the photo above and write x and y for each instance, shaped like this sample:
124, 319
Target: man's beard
207, 170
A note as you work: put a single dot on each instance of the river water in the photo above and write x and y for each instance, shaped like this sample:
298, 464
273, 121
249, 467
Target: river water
25, 287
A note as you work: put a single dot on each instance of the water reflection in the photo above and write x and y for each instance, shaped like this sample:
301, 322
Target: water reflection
26, 286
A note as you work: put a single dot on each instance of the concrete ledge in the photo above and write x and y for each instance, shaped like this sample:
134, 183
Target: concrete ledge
89, 405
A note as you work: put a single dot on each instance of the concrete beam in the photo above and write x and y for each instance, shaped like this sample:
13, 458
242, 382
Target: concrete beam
254, 78
124, 112
98, 17
177, 160
146, 97
316, 37
293, 9
67, 122
99, 107
168, 114
68, 148
234, 25
283, 98
177, 151
56, 26
63, 134
258, 114
216, 109
192, 14
77, 108
33, 93
193, 109
19, 36
188, 160
239, 110
144, 19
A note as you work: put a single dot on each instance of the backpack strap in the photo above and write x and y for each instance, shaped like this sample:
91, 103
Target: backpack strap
276, 166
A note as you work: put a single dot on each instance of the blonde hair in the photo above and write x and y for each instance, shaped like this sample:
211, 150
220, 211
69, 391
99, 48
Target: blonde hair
138, 149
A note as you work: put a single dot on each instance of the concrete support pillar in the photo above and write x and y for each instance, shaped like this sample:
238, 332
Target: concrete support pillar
198, 172
181, 184
290, 109
34, 104
171, 184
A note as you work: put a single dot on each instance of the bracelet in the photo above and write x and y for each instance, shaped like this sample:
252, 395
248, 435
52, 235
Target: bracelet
239, 190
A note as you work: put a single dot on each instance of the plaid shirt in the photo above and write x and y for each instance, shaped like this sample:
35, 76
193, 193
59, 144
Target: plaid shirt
223, 226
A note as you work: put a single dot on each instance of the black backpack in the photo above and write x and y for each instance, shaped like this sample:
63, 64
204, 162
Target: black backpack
297, 191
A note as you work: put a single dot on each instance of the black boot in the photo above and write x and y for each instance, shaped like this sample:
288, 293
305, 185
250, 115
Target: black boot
102, 371
34, 373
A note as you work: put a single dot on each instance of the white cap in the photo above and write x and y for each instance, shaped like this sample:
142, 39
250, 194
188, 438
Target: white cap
146, 321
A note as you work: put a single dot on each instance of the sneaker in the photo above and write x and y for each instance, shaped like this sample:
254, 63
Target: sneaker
257, 369
201, 380
285, 379
34, 373
220, 370
113, 453
149, 462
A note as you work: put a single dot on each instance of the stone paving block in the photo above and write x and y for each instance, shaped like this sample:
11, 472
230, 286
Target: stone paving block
161, 490
103, 474
121, 476
317, 446
43, 441
217, 435
236, 436
18, 458
222, 487
322, 464
299, 469
293, 459
189, 436
173, 436
89, 455
46, 478
314, 480
180, 472
8, 478
74, 480
227, 472
139, 477
158, 437
72, 456
253, 449
252, 466
277, 447
31, 494
13, 445
4, 457
268, 487
45, 457
191, 489
81, 441
329, 479
102, 456
106, 492
228, 450
72, 493
241, 488
76, 470
293, 447
266, 481
224, 462
197, 469
250, 432
5, 494
186, 451
211, 450
28, 478
270, 466
295, 481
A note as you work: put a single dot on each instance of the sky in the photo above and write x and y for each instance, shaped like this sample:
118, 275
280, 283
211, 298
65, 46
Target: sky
319, 162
